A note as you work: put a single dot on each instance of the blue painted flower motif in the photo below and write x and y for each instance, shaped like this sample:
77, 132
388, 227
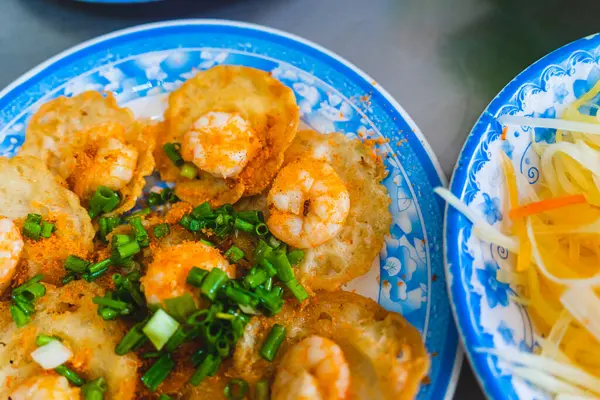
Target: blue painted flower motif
496, 292
506, 332
491, 209
544, 134
560, 93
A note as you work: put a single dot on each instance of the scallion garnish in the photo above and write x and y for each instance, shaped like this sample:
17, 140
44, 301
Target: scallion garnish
208, 367
69, 374
128, 249
76, 264
42, 340
271, 346
139, 231
261, 229
236, 389
160, 328
202, 211
295, 256
102, 201
188, 170
196, 276
297, 290
211, 284
261, 390
180, 307
242, 225
158, 372
256, 277
234, 254
172, 150
32, 230
133, 339
47, 229
94, 390
161, 230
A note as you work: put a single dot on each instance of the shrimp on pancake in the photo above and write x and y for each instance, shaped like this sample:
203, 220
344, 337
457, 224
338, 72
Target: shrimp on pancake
89, 141
233, 124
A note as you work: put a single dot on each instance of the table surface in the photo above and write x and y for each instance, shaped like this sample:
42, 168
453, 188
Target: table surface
443, 60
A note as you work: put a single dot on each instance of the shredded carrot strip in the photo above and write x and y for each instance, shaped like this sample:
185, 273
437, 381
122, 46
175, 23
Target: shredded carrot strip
546, 205
504, 131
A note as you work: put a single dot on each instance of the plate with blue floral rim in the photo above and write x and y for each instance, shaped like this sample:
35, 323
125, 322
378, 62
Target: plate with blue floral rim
142, 65
486, 313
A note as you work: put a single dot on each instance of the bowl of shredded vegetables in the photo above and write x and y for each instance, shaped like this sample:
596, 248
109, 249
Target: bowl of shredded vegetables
522, 232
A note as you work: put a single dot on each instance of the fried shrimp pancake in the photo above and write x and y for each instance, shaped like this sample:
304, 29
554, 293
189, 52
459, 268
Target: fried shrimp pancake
385, 354
350, 253
88, 140
68, 313
260, 103
27, 186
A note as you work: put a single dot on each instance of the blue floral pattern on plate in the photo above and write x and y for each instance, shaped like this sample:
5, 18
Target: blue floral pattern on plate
484, 308
141, 65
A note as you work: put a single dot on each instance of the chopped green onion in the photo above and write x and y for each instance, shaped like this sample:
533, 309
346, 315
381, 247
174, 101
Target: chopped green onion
134, 338
70, 277
158, 372
295, 256
42, 340
108, 314
274, 242
225, 316
261, 390
215, 279
154, 199
103, 200
261, 229
207, 243
236, 389
254, 217
198, 357
160, 328
172, 151
168, 195
188, 170
69, 374
225, 209
107, 225
47, 229
178, 338
115, 304
138, 213
269, 267
242, 225
277, 291
21, 319
234, 254
139, 231
240, 296
213, 331
271, 346
200, 316
128, 249
256, 277
161, 230
23, 304
100, 266
26, 286
185, 221
180, 307
262, 252
202, 211
195, 225
297, 290
281, 263
223, 347
269, 284
165, 397
94, 390
32, 230
34, 218
76, 264
270, 300
208, 367
120, 239
196, 276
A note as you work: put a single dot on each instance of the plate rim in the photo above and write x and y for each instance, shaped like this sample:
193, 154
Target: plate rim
490, 386
32, 72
